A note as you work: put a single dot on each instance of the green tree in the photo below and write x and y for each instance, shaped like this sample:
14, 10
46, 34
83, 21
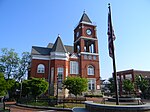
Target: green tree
25, 88
75, 85
3, 84
10, 61
37, 86
2, 68
12, 87
10, 83
23, 66
111, 86
142, 84
128, 86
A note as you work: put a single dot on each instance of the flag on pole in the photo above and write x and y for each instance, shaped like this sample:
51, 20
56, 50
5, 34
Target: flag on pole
111, 38
110, 33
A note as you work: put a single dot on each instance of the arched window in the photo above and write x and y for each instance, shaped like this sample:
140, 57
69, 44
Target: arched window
78, 48
90, 70
40, 68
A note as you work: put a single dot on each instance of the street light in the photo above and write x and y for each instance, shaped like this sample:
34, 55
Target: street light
57, 89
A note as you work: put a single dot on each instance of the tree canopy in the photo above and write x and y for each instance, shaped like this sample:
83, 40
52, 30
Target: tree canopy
35, 86
12, 66
128, 86
76, 85
10, 61
111, 86
23, 66
142, 83
3, 85
12, 87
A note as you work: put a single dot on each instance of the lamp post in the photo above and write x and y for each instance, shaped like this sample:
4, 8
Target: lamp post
57, 89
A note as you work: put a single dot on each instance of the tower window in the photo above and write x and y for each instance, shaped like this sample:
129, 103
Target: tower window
78, 48
85, 57
41, 68
94, 57
84, 49
90, 57
74, 67
90, 70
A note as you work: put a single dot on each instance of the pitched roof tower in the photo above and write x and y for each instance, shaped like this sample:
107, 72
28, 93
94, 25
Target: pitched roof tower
85, 18
58, 46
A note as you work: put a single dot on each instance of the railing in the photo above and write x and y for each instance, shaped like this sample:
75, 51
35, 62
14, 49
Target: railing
51, 101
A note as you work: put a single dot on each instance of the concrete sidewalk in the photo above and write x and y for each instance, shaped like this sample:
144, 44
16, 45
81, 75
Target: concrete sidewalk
79, 109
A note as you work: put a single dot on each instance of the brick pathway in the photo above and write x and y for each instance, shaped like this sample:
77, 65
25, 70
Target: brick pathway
14, 108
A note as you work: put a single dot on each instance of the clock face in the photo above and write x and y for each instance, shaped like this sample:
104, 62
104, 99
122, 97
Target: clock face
88, 32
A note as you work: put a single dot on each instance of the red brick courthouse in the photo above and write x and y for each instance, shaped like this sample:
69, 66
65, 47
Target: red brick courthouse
60, 61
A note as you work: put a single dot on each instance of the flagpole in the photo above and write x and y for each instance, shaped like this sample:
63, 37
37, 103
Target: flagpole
113, 58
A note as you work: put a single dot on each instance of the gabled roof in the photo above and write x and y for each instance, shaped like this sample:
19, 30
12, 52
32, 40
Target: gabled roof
50, 45
59, 46
68, 47
56, 47
40, 50
85, 18
74, 55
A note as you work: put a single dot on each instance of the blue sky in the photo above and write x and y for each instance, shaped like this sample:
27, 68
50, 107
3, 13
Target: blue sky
24, 23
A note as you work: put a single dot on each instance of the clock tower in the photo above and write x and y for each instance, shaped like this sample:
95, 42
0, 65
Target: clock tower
86, 46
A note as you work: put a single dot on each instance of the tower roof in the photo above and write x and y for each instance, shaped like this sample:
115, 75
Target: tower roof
58, 46
85, 18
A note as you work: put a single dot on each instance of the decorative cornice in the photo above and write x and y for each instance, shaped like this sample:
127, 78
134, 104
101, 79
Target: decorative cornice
73, 56
86, 23
40, 57
87, 38
83, 22
87, 53
59, 55
52, 56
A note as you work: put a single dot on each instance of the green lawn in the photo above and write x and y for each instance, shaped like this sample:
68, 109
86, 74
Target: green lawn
62, 105
69, 105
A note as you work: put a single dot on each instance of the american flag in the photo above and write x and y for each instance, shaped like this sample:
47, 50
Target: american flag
110, 33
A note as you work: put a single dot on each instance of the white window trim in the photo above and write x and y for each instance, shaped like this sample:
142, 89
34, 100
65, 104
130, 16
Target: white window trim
40, 68
90, 71
60, 70
74, 67
90, 81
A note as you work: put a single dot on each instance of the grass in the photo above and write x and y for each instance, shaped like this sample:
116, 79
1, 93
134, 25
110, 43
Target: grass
38, 103
69, 105
62, 105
